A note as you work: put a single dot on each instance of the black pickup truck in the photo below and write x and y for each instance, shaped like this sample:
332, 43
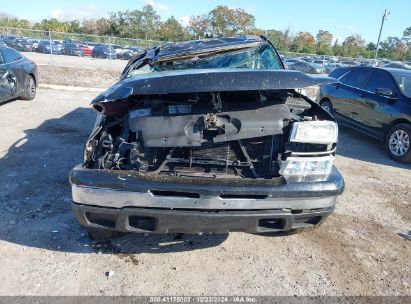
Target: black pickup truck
208, 136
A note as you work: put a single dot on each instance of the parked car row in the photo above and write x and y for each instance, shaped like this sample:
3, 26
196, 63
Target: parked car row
69, 47
326, 64
75, 49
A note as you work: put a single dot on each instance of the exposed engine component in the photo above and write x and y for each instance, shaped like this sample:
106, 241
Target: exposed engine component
209, 135
193, 130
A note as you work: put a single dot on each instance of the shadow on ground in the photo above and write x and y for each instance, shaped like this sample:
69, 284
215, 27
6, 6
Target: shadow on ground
356, 145
35, 194
2, 103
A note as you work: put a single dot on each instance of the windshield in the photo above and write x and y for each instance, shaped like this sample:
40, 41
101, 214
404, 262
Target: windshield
257, 58
404, 82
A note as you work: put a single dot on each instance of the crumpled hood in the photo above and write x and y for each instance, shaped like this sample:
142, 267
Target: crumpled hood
209, 80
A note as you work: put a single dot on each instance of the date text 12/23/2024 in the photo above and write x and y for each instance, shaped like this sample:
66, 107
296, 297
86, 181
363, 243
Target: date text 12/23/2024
203, 299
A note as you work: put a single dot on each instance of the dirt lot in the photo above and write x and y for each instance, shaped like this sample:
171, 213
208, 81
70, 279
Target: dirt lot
78, 62
83, 72
76, 77
43, 251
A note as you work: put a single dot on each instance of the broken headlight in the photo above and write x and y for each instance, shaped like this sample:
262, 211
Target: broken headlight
306, 168
315, 132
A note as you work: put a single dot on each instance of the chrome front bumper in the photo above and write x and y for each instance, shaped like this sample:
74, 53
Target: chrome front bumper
174, 200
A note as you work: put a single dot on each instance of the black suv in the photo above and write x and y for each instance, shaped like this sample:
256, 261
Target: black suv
375, 101
208, 136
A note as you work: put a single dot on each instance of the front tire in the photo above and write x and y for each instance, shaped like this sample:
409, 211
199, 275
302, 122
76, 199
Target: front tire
29, 88
397, 142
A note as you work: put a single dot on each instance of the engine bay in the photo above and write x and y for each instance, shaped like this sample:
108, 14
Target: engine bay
217, 134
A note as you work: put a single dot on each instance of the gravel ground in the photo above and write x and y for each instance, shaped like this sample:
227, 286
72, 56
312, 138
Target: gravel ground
76, 77
362, 248
72, 71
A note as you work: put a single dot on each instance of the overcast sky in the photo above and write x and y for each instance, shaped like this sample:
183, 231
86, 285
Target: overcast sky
340, 17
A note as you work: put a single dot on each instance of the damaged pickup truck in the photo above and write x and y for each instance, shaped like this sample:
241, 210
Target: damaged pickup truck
207, 136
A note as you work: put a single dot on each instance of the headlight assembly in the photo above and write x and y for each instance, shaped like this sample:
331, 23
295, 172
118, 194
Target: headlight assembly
306, 168
315, 132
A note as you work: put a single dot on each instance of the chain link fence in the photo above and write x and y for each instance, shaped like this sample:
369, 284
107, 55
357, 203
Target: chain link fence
74, 60
73, 44
110, 47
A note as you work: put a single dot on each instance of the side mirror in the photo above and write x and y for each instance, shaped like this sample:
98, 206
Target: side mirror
385, 92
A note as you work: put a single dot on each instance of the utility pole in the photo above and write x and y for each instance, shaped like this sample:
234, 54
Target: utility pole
109, 45
384, 17
51, 47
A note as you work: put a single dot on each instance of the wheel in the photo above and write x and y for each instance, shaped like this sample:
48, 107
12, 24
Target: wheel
327, 105
397, 142
97, 234
29, 88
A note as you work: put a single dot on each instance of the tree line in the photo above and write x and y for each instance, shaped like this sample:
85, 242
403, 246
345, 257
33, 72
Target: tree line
221, 21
